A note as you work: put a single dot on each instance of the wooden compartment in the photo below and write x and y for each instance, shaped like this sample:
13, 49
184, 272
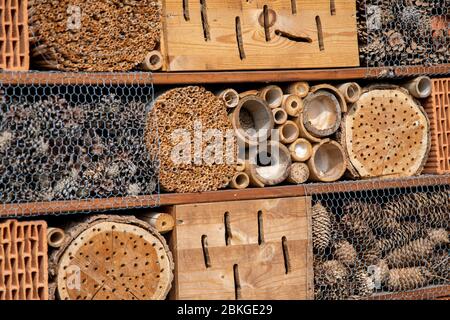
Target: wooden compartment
238, 34
14, 47
438, 110
256, 249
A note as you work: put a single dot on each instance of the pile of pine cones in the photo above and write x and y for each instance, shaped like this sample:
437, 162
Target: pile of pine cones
52, 149
364, 247
403, 33
93, 35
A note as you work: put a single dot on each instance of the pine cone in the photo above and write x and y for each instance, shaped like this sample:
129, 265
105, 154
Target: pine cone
321, 227
362, 284
408, 278
406, 232
345, 253
417, 251
331, 281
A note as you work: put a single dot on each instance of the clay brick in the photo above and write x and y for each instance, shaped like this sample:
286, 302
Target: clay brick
14, 47
438, 110
23, 260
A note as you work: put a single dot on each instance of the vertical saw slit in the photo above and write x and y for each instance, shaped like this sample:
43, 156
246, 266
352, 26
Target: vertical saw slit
237, 282
205, 24
287, 262
239, 39
319, 33
206, 251
186, 10
332, 7
294, 6
260, 228
228, 234
266, 22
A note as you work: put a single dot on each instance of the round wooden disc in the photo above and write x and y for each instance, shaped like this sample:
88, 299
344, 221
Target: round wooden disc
386, 134
113, 261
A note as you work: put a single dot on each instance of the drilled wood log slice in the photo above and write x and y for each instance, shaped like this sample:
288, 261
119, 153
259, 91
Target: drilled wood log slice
111, 258
94, 35
386, 134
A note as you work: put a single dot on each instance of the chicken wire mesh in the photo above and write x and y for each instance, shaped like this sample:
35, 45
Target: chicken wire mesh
75, 144
378, 242
411, 36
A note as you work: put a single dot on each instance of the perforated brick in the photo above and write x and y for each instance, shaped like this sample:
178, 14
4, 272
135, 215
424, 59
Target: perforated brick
23, 260
14, 46
438, 110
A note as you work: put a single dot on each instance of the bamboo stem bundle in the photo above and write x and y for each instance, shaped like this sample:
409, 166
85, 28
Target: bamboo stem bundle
96, 35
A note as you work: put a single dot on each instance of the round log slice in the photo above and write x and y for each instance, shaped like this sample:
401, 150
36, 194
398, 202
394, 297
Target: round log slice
386, 134
112, 258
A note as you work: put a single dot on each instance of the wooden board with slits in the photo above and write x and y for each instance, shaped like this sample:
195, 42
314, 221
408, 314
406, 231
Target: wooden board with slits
259, 34
243, 250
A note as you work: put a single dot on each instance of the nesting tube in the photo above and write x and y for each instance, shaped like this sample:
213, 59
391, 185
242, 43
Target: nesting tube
230, 97
303, 132
240, 181
300, 88
299, 173
351, 91
280, 116
321, 113
162, 222
419, 87
327, 162
55, 237
293, 104
301, 150
269, 167
273, 95
288, 132
153, 61
252, 120
240, 165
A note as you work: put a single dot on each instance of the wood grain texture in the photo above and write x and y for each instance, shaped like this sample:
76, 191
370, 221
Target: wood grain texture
441, 292
209, 77
386, 134
208, 39
268, 267
55, 207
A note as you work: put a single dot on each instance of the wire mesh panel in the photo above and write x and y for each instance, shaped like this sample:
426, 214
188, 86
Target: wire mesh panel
410, 34
69, 144
376, 242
